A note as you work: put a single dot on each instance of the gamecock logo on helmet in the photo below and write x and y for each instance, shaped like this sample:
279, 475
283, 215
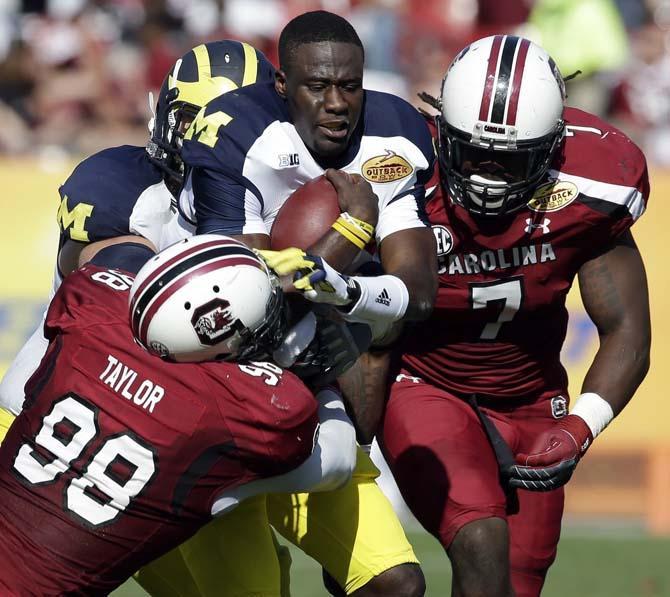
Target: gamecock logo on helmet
213, 322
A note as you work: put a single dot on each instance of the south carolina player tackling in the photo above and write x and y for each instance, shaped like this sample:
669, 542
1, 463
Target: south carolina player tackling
128, 190
119, 456
530, 195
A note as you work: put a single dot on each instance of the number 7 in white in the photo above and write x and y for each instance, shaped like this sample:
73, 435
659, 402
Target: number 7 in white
509, 293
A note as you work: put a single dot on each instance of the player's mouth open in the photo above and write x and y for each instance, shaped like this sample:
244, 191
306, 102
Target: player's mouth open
334, 129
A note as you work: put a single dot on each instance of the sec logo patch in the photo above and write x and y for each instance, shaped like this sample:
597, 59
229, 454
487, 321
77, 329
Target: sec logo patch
386, 168
444, 240
554, 195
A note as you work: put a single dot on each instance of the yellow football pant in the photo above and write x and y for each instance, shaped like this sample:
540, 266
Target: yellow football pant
6, 419
352, 532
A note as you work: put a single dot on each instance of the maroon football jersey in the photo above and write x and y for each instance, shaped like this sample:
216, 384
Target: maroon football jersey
119, 455
500, 317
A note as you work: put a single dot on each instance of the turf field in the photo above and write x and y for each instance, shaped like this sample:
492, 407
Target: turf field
623, 565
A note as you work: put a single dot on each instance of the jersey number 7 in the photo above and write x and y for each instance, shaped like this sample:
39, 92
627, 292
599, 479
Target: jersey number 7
507, 294
116, 472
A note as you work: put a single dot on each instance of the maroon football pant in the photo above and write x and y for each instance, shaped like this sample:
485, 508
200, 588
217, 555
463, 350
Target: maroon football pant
447, 473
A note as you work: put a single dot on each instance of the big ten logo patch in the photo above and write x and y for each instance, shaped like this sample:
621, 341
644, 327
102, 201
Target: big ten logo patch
554, 195
386, 168
444, 241
18, 319
289, 160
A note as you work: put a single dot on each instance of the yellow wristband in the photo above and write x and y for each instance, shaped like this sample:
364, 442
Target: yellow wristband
364, 226
353, 228
350, 236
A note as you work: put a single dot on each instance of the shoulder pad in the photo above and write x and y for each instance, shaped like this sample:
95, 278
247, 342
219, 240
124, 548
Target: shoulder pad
98, 198
226, 128
387, 115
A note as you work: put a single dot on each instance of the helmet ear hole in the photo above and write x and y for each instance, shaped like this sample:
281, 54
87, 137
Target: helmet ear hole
215, 289
187, 305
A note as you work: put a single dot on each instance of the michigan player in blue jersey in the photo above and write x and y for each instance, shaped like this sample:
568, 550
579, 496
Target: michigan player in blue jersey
245, 153
126, 190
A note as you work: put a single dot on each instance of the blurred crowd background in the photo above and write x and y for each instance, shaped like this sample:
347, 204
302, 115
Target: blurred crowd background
75, 74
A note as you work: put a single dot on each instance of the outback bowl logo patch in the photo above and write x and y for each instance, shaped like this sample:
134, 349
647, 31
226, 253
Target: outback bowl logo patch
386, 168
554, 195
213, 322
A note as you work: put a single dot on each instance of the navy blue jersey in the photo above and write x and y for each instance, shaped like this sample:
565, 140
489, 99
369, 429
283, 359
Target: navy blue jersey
246, 158
114, 192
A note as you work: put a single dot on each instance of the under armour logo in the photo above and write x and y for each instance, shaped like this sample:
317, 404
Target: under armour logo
402, 377
544, 226
383, 298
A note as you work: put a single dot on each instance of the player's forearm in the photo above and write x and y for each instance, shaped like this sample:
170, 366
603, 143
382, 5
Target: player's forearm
329, 466
422, 288
364, 390
338, 251
620, 365
411, 256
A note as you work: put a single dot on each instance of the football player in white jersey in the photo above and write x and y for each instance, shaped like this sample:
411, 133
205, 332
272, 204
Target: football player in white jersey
245, 154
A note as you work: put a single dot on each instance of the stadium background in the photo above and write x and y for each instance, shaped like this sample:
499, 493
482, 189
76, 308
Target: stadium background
74, 77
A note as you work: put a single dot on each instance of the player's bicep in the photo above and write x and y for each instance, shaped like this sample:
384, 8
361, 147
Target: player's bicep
224, 205
613, 287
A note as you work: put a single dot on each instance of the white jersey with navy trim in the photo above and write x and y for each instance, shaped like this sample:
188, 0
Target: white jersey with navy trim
246, 158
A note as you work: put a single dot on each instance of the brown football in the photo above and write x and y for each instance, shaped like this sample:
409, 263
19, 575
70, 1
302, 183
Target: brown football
306, 215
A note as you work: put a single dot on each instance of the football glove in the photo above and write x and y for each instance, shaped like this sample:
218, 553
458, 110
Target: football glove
312, 276
553, 457
335, 348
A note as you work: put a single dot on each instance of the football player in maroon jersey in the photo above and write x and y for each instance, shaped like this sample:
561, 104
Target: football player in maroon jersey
477, 430
119, 456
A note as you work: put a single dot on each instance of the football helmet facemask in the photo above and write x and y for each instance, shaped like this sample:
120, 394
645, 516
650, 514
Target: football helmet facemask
200, 75
208, 297
501, 123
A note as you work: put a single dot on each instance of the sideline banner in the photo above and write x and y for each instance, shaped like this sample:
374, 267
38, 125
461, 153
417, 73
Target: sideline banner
29, 242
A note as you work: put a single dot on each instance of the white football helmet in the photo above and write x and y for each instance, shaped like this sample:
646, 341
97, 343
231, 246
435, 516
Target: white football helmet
207, 297
501, 122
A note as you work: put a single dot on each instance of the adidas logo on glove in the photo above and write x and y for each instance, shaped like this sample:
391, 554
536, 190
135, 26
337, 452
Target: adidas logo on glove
383, 298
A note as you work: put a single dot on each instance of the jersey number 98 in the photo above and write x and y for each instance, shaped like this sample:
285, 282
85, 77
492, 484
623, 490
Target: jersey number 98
117, 471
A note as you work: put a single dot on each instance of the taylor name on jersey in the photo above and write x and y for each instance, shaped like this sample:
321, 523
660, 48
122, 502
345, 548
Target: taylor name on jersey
247, 158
